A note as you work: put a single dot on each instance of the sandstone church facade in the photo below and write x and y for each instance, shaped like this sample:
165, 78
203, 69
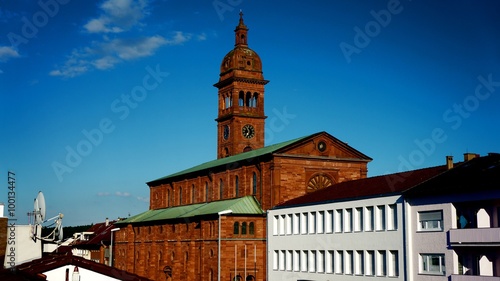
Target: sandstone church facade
208, 222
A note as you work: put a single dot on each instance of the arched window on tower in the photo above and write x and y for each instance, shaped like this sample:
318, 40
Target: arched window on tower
241, 99
251, 228
221, 189
168, 198
254, 183
248, 99
236, 186
180, 195
254, 99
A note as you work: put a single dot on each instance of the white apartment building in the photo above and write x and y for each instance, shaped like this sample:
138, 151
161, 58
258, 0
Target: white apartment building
348, 231
435, 224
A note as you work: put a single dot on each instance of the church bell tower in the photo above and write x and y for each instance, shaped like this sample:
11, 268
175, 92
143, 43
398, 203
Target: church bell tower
240, 121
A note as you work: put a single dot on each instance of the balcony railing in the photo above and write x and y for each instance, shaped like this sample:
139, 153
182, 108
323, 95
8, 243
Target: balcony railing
474, 278
475, 236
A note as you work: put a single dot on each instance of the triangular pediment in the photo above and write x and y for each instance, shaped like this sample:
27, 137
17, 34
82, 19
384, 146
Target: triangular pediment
323, 145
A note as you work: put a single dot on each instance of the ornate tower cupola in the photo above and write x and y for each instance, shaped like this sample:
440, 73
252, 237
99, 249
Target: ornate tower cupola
240, 121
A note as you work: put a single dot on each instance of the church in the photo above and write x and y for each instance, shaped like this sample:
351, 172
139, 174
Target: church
208, 222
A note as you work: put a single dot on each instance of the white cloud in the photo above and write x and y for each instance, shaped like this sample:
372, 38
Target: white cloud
143, 199
122, 194
118, 16
106, 54
7, 53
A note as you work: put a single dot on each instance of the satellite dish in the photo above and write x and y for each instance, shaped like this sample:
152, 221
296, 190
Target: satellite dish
39, 208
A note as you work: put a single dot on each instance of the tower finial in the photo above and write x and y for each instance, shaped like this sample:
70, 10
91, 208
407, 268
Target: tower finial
241, 17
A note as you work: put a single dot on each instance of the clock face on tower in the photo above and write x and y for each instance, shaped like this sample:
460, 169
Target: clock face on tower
248, 131
226, 132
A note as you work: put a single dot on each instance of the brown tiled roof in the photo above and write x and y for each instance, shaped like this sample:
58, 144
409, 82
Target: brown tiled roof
480, 174
368, 187
53, 261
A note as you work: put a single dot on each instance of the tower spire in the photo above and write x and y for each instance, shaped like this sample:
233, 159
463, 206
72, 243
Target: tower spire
241, 32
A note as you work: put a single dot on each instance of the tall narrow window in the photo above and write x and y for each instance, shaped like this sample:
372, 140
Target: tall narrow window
393, 264
296, 223
254, 183
251, 228
312, 261
168, 198
303, 223
289, 224
348, 220
370, 219
349, 262
180, 195
241, 99
207, 192
381, 263
303, 260
380, 218
282, 224
236, 228
329, 221
370, 263
221, 189
236, 186
296, 260
312, 222
320, 225
359, 263
275, 260
339, 219
339, 262
243, 228
358, 219
392, 217
329, 262
193, 194
289, 260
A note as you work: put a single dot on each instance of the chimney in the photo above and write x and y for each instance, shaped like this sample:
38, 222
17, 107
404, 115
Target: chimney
107, 221
449, 162
469, 156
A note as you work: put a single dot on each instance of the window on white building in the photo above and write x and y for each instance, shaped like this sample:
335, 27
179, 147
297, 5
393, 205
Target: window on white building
282, 225
369, 219
381, 263
303, 223
393, 264
329, 222
339, 221
432, 264
289, 224
329, 265
312, 222
370, 263
392, 217
359, 265
349, 262
312, 261
275, 260
282, 260
320, 224
275, 225
358, 219
320, 262
348, 220
380, 218
296, 260
289, 260
296, 223
339, 262
430, 221
303, 261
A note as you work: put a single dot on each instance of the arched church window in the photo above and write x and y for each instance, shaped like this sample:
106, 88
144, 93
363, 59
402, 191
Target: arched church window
254, 183
193, 194
207, 192
318, 181
221, 189
254, 99
251, 228
248, 99
243, 228
236, 186
236, 228
241, 99
180, 195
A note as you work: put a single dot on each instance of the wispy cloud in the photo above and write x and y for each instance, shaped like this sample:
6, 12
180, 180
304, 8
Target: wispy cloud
7, 53
143, 199
123, 194
117, 16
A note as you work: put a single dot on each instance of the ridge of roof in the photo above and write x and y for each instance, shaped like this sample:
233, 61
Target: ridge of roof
246, 205
234, 158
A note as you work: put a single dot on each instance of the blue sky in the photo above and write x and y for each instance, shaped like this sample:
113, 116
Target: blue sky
99, 97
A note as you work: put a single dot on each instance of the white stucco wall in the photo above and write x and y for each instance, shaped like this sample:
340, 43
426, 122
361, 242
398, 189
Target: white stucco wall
59, 274
21, 247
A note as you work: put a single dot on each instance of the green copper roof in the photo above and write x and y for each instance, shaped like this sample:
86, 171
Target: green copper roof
232, 159
246, 205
